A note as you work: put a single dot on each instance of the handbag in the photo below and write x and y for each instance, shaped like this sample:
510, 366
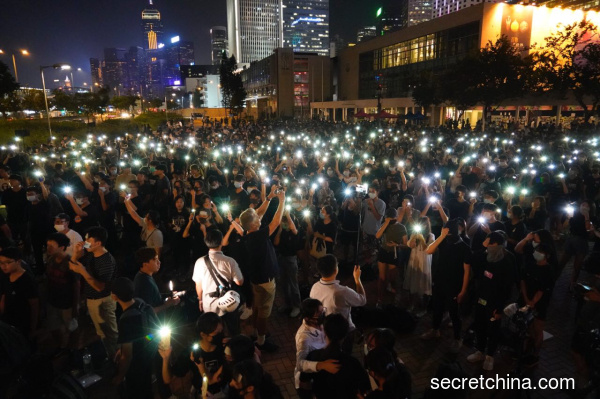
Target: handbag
223, 286
318, 249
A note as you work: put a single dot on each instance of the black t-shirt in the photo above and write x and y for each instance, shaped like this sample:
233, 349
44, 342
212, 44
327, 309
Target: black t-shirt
16, 203
493, 282
393, 199
262, 261
199, 248
469, 180
329, 230
178, 221
515, 232
592, 187
288, 242
17, 310
61, 283
102, 268
145, 288
458, 209
81, 224
137, 323
538, 221
239, 202
220, 195
577, 225
449, 273
480, 235
39, 222
538, 278
212, 362
346, 383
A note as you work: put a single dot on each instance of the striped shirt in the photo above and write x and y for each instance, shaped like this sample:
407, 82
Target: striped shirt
102, 268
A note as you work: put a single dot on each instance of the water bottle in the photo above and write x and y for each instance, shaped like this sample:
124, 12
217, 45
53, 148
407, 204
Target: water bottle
87, 361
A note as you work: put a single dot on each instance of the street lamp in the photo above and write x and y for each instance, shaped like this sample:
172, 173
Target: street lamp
63, 67
23, 52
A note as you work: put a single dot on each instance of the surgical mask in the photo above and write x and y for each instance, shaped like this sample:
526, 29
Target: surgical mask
346, 173
103, 189
372, 195
218, 338
487, 201
366, 349
254, 200
59, 227
152, 169
392, 168
296, 205
79, 201
495, 254
87, 245
487, 216
97, 179
503, 163
322, 215
214, 186
330, 173
113, 172
509, 215
238, 184
538, 256
31, 198
535, 244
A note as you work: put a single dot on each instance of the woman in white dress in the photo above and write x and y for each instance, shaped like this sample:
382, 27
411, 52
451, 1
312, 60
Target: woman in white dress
417, 279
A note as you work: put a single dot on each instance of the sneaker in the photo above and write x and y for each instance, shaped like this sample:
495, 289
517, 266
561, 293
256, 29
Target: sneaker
456, 345
488, 364
531, 361
420, 314
476, 357
295, 312
246, 313
268, 346
431, 334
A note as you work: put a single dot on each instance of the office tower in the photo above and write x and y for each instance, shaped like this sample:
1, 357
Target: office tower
115, 70
306, 25
151, 27
392, 17
135, 59
254, 28
419, 11
366, 33
177, 53
336, 44
218, 44
96, 72
444, 7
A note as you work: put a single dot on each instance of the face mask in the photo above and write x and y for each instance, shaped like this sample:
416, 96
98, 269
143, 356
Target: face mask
503, 163
97, 179
372, 195
535, 244
31, 198
152, 169
487, 216
238, 184
218, 338
322, 216
103, 189
296, 205
59, 227
113, 172
87, 245
538, 256
254, 200
509, 215
330, 173
487, 201
79, 201
495, 254
392, 168
214, 186
454, 159
346, 173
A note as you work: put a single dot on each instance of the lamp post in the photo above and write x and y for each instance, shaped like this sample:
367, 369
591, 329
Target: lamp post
23, 52
61, 66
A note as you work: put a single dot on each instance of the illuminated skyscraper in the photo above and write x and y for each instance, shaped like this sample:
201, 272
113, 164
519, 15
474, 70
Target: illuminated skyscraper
366, 33
151, 27
254, 28
218, 44
306, 25
443, 7
96, 72
419, 11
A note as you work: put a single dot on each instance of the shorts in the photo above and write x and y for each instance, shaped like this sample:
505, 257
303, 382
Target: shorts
264, 296
576, 246
386, 257
58, 318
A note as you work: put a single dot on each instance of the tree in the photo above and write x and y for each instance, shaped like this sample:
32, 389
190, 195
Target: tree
570, 63
63, 101
197, 99
125, 103
233, 93
427, 91
156, 102
8, 84
33, 100
9, 103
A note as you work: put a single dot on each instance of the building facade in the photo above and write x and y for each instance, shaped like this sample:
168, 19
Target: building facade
392, 17
306, 25
366, 33
284, 84
218, 44
96, 69
152, 28
177, 53
254, 28
114, 70
444, 7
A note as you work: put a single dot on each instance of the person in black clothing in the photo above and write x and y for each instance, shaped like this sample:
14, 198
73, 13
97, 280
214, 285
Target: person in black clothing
249, 381
537, 284
286, 244
84, 214
535, 217
325, 229
579, 222
19, 300
138, 321
494, 278
383, 370
483, 225
349, 216
239, 197
450, 278
217, 190
351, 379
163, 191
144, 285
199, 224
105, 200
15, 200
209, 355
515, 227
458, 207
39, 225
180, 245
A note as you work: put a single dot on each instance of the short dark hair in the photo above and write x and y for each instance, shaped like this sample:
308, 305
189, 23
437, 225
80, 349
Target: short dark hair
491, 193
213, 238
461, 188
122, 287
326, 265
496, 238
489, 207
212, 179
145, 255
34, 189
207, 323
16, 177
239, 178
251, 373
161, 166
61, 239
154, 217
98, 234
63, 216
12, 253
336, 327
241, 348
309, 307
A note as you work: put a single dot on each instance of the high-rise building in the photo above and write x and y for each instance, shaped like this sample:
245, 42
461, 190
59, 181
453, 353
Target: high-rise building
135, 59
114, 70
254, 28
443, 7
392, 17
96, 72
151, 27
218, 44
306, 25
418, 11
177, 53
366, 33
336, 44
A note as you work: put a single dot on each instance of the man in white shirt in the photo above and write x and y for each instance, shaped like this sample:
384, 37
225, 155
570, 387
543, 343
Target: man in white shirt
225, 268
337, 298
310, 337
61, 224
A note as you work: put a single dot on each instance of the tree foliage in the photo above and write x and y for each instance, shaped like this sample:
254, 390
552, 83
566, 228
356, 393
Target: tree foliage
233, 93
8, 84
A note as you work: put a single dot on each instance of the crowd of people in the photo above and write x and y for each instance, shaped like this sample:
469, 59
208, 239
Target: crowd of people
207, 225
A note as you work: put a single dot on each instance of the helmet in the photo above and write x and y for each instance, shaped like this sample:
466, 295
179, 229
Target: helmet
229, 302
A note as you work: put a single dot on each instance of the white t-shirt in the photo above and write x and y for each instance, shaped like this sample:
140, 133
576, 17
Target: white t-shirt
75, 238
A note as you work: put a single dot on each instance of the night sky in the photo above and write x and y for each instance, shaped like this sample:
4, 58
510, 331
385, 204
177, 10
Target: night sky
74, 31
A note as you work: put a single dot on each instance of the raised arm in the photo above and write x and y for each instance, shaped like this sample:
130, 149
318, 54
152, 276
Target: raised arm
278, 214
132, 211
431, 248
